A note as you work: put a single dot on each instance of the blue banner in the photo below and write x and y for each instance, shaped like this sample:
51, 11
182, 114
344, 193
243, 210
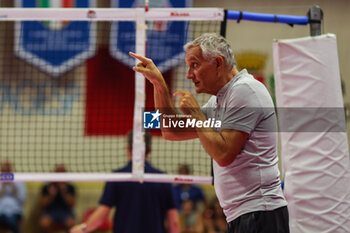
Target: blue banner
165, 39
6, 177
55, 47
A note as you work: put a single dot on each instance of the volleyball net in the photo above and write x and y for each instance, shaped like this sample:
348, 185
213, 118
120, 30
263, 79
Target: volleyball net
68, 94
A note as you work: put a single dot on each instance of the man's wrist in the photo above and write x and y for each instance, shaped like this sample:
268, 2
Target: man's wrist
160, 83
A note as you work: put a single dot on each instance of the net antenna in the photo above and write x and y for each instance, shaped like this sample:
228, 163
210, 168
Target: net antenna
39, 143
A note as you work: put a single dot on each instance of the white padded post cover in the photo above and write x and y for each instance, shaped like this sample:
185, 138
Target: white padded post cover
314, 144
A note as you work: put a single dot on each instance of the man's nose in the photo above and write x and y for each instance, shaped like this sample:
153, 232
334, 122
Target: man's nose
189, 74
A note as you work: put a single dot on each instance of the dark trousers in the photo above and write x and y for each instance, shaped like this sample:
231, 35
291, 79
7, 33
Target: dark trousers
275, 221
12, 222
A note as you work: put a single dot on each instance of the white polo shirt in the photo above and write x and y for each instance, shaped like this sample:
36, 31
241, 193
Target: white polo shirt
251, 182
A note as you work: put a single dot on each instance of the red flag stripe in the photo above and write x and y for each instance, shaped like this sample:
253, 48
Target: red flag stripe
67, 3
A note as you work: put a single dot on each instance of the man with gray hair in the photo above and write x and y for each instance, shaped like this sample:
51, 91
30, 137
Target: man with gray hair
244, 148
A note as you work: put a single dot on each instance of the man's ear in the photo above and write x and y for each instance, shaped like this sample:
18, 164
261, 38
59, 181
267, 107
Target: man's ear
219, 61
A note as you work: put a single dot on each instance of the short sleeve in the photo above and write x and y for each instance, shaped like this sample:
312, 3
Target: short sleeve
109, 195
209, 106
242, 110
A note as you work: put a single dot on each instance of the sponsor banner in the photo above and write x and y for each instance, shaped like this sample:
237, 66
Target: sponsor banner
165, 39
55, 47
6, 177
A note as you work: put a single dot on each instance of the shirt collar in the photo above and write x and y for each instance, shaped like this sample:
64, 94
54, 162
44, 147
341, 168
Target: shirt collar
221, 93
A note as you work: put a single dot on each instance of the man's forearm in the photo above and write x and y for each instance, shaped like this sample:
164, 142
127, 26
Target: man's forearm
213, 143
173, 221
162, 98
94, 221
97, 218
223, 147
163, 101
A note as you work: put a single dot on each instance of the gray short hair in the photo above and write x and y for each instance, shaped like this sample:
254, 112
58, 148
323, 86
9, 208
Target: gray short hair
213, 45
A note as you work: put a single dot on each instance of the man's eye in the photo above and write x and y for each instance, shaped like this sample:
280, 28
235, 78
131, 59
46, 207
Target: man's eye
195, 65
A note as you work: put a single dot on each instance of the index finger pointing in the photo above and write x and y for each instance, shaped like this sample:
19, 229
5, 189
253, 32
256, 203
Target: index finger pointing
143, 59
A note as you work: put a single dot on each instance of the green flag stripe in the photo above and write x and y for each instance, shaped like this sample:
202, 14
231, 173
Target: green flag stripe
44, 3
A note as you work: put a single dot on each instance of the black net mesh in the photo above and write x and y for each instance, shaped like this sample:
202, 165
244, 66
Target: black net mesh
67, 94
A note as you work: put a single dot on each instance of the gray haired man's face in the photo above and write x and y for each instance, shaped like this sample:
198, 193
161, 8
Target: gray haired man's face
200, 71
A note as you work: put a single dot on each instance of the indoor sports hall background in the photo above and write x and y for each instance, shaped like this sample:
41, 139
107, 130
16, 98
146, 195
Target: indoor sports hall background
97, 106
